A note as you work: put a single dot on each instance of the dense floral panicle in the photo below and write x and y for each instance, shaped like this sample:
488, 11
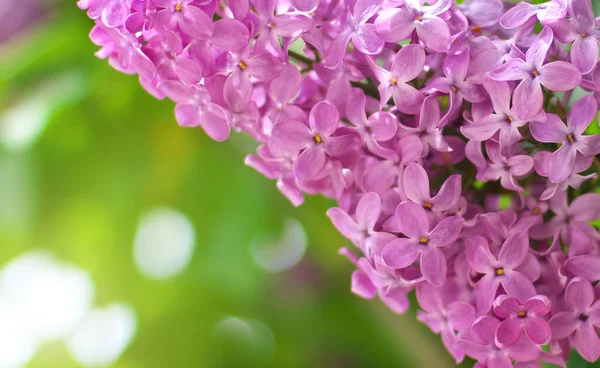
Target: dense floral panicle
460, 141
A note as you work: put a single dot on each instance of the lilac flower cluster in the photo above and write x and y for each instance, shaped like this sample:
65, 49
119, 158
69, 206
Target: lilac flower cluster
438, 127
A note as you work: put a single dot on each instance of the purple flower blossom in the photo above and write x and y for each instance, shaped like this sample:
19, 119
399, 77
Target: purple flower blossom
194, 107
361, 231
499, 271
581, 318
501, 167
407, 65
456, 84
504, 119
481, 345
553, 130
522, 317
411, 220
357, 29
534, 72
394, 25
445, 313
581, 29
185, 15
316, 141
416, 187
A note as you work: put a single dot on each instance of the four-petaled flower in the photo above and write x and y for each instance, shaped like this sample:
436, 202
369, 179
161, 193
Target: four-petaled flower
534, 72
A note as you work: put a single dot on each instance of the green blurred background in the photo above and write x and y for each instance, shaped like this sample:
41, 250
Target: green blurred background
85, 153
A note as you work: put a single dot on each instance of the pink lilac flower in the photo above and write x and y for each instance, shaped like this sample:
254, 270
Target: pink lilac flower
501, 270
194, 108
581, 29
519, 318
445, 313
501, 167
394, 25
553, 130
456, 84
374, 278
481, 345
361, 231
270, 26
504, 119
407, 65
111, 12
416, 187
534, 72
421, 243
316, 141
185, 15
542, 167
357, 29
582, 210
581, 318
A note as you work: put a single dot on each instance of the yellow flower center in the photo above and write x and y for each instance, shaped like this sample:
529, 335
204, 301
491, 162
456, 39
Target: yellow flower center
453, 88
499, 271
394, 81
570, 138
476, 29
318, 138
522, 314
243, 65
178, 7
536, 73
423, 240
428, 205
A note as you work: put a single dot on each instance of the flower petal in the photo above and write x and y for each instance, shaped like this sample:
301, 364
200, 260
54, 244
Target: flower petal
412, 220
508, 331
559, 76
563, 324
433, 266
416, 183
538, 331
367, 210
309, 164
536, 54
395, 25
512, 69
587, 342
324, 118
528, 98
400, 253
584, 53
561, 163
434, 33
582, 113
553, 130
460, 315
446, 232
408, 63
366, 40
362, 285
344, 223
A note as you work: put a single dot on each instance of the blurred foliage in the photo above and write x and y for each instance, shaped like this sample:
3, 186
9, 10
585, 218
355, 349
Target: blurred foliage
110, 152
